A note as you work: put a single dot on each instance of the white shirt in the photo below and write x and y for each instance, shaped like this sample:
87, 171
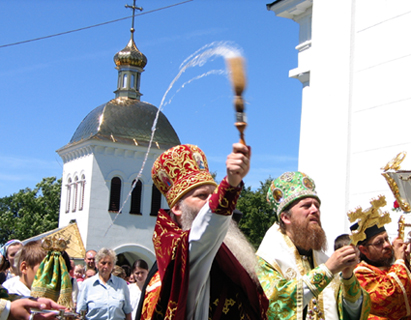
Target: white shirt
135, 294
14, 285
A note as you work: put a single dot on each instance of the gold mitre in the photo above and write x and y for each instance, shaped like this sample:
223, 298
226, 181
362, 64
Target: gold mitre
372, 216
399, 181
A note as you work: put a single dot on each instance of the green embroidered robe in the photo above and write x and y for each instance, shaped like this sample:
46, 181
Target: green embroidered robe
283, 273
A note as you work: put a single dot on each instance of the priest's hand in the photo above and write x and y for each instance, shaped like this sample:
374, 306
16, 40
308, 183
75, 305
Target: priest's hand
343, 260
399, 247
238, 164
21, 309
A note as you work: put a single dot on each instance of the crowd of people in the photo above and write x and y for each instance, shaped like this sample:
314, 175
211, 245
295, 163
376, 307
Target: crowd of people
206, 269
98, 286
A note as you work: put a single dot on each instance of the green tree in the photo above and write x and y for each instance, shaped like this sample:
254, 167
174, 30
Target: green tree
28, 213
257, 212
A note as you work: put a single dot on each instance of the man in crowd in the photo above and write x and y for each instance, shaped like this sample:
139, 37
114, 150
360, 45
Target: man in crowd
89, 259
202, 277
300, 281
387, 281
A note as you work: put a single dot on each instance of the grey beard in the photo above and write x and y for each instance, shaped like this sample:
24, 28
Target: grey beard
241, 249
187, 217
234, 240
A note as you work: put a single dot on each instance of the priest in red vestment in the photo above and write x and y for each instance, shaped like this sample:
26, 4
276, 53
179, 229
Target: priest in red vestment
384, 274
206, 267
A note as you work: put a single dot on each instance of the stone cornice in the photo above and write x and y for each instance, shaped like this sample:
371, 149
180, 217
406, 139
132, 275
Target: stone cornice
78, 151
291, 9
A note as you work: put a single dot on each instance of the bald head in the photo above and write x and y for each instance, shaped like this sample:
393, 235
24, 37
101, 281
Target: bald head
89, 259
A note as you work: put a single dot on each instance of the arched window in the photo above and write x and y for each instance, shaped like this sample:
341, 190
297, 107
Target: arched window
155, 201
124, 80
138, 82
132, 81
75, 189
115, 195
81, 193
68, 195
135, 207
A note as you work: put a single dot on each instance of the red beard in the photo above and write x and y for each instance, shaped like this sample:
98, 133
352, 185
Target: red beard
308, 236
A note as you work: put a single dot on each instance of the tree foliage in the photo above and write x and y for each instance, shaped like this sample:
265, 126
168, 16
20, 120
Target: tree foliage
257, 212
28, 213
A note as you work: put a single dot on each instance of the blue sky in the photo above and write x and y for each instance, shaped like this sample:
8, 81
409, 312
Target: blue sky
47, 87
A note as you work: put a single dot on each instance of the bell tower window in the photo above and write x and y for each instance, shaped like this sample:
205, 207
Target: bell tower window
81, 193
68, 195
132, 81
75, 189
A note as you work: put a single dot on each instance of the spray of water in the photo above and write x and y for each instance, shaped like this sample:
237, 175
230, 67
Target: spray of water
207, 53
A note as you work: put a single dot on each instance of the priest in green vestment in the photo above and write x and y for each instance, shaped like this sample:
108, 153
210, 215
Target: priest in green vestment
298, 278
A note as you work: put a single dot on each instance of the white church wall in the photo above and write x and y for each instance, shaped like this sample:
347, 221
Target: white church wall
324, 130
76, 166
112, 229
99, 227
381, 99
355, 104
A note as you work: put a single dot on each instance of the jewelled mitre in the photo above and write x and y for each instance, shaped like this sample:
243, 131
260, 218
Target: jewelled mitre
179, 170
290, 186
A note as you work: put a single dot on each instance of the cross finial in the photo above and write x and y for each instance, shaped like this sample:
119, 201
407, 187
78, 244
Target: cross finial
134, 12
367, 218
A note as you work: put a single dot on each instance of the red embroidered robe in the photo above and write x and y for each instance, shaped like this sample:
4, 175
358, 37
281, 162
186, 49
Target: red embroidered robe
233, 294
390, 290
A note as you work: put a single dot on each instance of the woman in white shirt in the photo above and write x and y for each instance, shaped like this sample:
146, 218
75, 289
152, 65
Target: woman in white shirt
139, 272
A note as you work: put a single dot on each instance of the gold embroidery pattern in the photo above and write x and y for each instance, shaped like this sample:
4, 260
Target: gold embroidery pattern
170, 229
290, 273
282, 296
317, 280
224, 198
227, 304
171, 309
351, 289
151, 297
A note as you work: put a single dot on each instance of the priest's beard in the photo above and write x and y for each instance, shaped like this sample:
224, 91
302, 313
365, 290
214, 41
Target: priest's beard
308, 236
379, 262
234, 240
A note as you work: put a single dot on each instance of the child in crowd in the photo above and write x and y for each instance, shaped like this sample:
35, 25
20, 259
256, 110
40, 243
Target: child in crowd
118, 272
89, 273
140, 271
79, 272
9, 251
127, 270
28, 261
341, 241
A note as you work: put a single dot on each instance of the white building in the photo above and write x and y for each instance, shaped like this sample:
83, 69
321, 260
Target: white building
353, 61
103, 159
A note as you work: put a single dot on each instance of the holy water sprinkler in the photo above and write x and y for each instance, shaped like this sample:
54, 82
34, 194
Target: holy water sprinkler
236, 67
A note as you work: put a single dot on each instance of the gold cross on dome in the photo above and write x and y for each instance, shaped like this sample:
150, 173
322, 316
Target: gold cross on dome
134, 12
368, 218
